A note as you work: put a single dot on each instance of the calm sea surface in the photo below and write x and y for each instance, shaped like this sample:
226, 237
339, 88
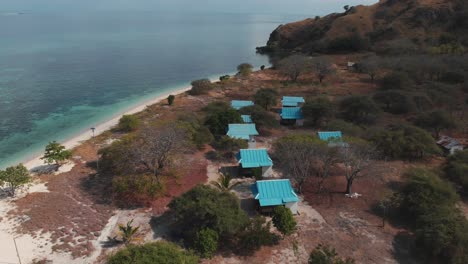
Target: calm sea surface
62, 73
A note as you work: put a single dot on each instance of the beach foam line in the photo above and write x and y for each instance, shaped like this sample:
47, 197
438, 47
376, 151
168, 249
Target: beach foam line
105, 126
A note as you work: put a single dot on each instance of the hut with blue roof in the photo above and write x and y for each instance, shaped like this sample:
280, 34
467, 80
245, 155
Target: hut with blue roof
246, 119
272, 193
292, 101
292, 116
238, 104
334, 138
243, 131
250, 159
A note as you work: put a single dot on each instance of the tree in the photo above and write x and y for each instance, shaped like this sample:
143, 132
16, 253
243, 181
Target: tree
219, 120
392, 101
322, 67
346, 8
395, 81
170, 99
284, 220
204, 207
435, 121
293, 66
56, 153
356, 157
155, 252
457, 168
259, 116
326, 255
201, 86
404, 142
359, 109
370, 66
298, 156
224, 183
318, 111
206, 242
255, 235
14, 177
128, 123
228, 144
244, 69
346, 128
266, 97
127, 232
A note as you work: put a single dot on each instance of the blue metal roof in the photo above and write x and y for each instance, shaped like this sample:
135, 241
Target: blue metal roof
292, 100
274, 192
238, 104
291, 113
254, 158
242, 131
330, 135
246, 119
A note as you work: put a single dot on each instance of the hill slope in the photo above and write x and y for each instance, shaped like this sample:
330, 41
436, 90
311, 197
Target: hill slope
422, 22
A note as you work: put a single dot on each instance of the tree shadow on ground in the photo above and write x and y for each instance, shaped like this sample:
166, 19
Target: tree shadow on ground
161, 226
97, 185
403, 244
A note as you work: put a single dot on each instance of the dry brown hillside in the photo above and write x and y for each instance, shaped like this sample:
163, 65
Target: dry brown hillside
422, 22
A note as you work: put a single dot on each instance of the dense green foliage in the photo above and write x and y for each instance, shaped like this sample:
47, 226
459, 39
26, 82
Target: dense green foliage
220, 117
255, 235
14, 177
284, 220
206, 242
151, 253
228, 144
318, 111
266, 98
404, 142
326, 255
201, 86
346, 128
244, 69
392, 101
56, 153
128, 123
204, 207
261, 117
170, 99
435, 121
429, 204
457, 168
359, 109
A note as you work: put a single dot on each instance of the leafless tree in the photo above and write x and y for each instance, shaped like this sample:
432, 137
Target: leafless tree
327, 157
293, 66
356, 157
322, 67
370, 66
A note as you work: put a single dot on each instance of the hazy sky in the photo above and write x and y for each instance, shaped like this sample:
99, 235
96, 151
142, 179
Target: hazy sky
312, 7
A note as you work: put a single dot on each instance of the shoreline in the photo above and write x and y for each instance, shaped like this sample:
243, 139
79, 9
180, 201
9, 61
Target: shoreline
76, 140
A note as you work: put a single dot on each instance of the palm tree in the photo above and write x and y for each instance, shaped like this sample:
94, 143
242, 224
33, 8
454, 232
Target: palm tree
128, 232
224, 183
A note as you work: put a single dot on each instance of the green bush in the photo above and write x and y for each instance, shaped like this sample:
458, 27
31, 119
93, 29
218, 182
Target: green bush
266, 97
255, 235
435, 121
318, 111
245, 69
150, 253
457, 168
218, 121
346, 128
170, 99
326, 255
13, 178
224, 78
204, 207
284, 220
392, 101
128, 123
228, 144
261, 117
138, 188
201, 86
206, 242
359, 110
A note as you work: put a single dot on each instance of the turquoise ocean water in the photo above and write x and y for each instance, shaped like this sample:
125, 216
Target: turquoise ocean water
64, 72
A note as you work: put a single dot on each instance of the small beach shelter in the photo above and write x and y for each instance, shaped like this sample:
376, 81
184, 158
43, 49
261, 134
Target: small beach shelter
292, 101
292, 115
242, 131
256, 158
238, 104
246, 118
272, 193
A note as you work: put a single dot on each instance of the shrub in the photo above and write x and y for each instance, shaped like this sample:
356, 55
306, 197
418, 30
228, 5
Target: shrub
136, 189
346, 128
262, 67
228, 144
435, 121
265, 97
255, 235
201, 86
224, 78
354, 42
219, 119
261, 117
326, 255
128, 123
359, 109
245, 69
204, 207
318, 111
206, 242
284, 220
392, 101
395, 81
149, 253
170, 99
457, 168
14, 177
